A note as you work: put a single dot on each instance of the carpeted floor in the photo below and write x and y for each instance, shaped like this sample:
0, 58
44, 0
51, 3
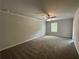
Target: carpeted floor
48, 47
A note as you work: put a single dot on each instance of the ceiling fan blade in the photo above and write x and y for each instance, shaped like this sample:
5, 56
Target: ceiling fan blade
44, 11
53, 17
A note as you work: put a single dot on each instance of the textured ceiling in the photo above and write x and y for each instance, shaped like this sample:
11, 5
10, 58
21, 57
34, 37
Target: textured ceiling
39, 8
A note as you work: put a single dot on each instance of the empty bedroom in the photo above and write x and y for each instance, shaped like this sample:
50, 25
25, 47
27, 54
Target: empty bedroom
39, 29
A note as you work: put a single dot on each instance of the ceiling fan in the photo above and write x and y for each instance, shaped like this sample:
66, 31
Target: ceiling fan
48, 15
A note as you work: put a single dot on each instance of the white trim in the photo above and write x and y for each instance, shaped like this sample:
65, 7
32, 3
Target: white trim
11, 13
17, 14
20, 43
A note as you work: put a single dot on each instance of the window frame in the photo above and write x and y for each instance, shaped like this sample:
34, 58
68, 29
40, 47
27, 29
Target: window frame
56, 26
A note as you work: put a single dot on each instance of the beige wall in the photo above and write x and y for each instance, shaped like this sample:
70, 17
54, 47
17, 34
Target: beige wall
64, 28
76, 30
15, 29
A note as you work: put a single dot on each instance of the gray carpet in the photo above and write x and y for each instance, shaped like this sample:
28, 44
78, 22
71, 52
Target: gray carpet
48, 47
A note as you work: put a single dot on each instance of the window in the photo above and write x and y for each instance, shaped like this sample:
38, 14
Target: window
54, 27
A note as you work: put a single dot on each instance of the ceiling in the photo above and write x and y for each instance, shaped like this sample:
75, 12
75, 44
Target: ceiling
39, 8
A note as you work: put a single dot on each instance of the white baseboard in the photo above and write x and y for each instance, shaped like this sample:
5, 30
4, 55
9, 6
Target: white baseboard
19, 43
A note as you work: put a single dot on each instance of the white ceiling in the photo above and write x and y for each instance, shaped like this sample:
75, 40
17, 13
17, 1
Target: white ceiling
38, 8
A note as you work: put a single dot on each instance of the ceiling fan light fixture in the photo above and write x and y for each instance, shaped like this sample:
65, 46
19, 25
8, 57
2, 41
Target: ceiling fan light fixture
48, 19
